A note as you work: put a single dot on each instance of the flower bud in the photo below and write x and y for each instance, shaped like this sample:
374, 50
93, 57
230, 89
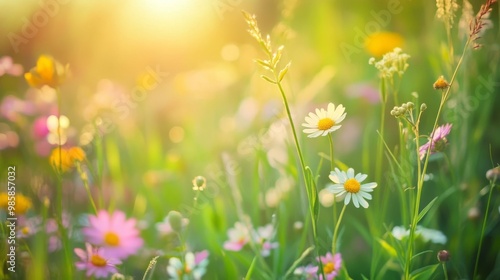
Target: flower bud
175, 220
493, 174
443, 256
423, 107
410, 105
441, 83
199, 183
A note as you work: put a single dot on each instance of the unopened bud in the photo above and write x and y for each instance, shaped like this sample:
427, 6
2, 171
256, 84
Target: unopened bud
175, 220
199, 183
423, 107
493, 174
443, 256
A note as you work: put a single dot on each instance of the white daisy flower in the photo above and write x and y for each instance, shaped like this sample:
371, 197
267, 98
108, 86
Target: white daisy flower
350, 185
324, 121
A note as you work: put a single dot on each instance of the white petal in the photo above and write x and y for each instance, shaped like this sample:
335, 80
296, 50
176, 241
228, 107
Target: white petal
369, 185
360, 177
333, 176
336, 127
331, 107
363, 202
350, 173
347, 198
340, 119
365, 195
338, 112
355, 200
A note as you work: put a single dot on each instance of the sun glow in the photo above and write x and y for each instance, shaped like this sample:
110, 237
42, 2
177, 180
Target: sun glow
172, 22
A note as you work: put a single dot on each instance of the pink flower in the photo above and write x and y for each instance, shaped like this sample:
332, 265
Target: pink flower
40, 129
200, 257
238, 237
331, 265
438, 141
95, 261
7, 66
113, 232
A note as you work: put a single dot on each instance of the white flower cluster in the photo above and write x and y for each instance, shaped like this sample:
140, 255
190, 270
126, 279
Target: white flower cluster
432, 235
391, 63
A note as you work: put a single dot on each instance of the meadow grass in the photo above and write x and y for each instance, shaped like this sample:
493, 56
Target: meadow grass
320, 152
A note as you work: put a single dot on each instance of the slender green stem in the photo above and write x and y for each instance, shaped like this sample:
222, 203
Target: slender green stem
299, 152
59, 195
416, 205
332, 167
380, 146
309, 189
332, 159
492, 186
336, 231
85, 181
444, 270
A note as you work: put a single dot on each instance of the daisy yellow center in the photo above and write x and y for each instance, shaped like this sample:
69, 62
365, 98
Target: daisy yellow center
352, 185
328, 268
25, 230
325, 124
98, 260
112, 239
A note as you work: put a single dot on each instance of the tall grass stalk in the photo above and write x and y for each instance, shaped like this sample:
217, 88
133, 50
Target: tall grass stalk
277, 77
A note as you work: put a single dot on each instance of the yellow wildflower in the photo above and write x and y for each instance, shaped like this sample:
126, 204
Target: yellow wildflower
21, 206
76, 154
47, 72
441, 83
64, 159
380, 43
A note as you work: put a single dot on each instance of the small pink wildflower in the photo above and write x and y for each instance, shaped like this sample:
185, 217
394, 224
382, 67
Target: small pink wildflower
438, 141
238, 237
95, 262
113, 232
331, 265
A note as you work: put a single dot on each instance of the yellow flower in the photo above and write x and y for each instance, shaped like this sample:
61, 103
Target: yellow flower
21, 206
64, 159
76, 154
380, 43
47, 72
441, 83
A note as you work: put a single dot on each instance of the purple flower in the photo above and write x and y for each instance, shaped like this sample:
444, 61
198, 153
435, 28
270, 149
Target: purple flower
115, 233
331, 265
438, 141
95, 261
